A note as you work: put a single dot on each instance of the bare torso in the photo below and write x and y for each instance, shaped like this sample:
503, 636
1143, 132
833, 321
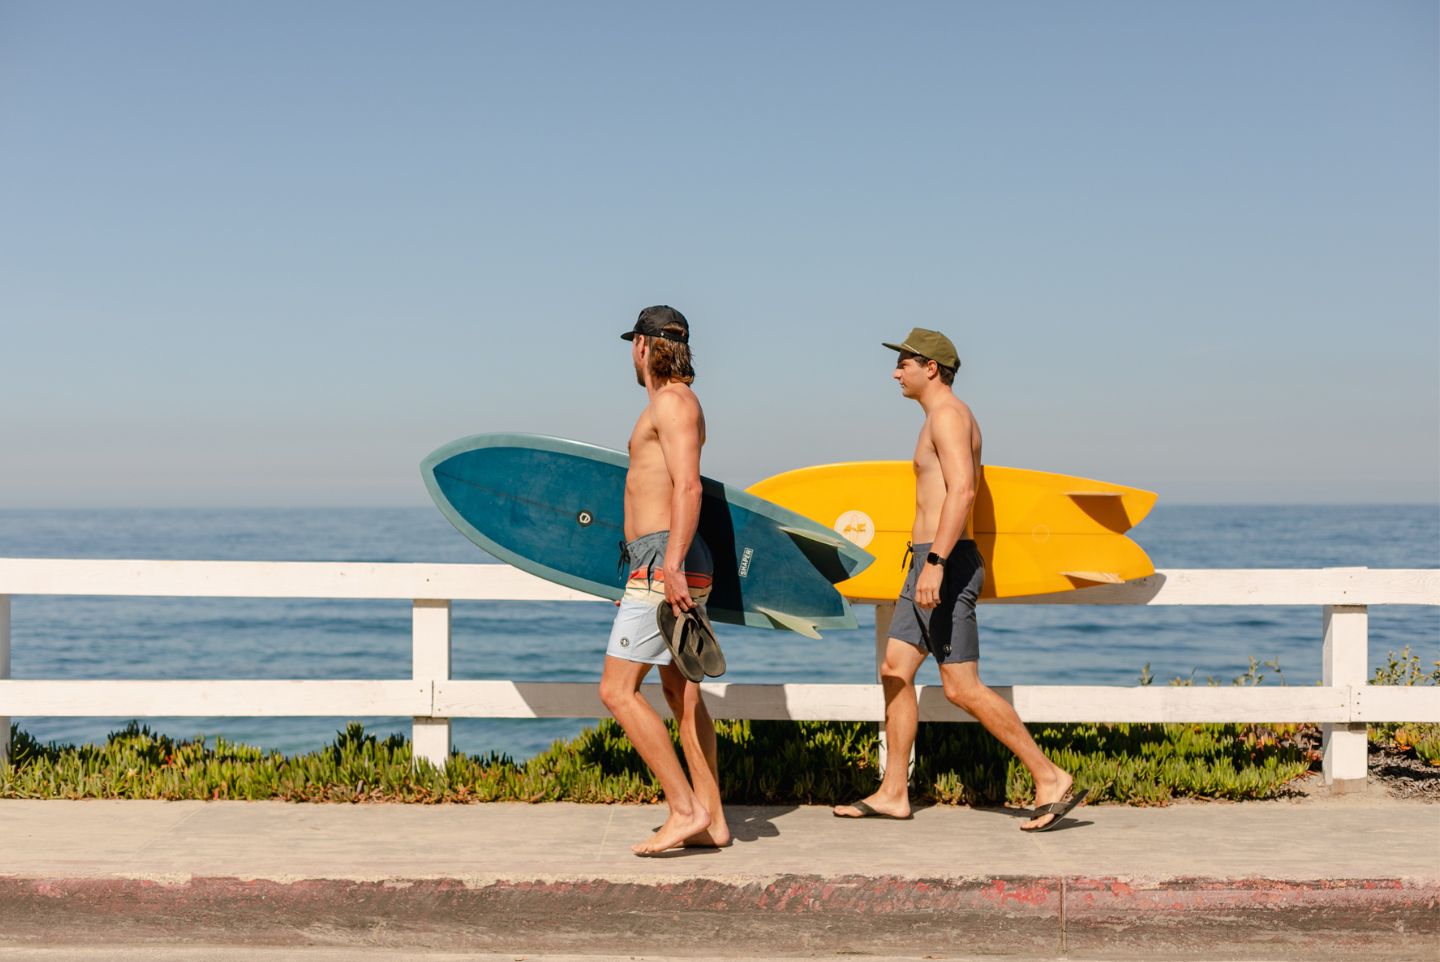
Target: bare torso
930, 480
648, 488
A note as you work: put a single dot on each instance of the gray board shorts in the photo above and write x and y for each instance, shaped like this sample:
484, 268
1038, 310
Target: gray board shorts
948, 631
635, 634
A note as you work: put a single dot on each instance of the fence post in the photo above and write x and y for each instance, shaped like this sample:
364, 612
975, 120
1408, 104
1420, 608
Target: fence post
883, 614
1346, 664
4, 673
430, 660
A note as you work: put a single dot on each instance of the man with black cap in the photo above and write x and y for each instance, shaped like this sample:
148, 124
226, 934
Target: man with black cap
935, 613
667, 563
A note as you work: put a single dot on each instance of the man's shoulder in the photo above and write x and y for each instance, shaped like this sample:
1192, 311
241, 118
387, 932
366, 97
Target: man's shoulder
675, 399
953, 413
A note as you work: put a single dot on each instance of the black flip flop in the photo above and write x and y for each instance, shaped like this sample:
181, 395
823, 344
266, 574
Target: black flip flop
680, 638
1059, 809
866, 811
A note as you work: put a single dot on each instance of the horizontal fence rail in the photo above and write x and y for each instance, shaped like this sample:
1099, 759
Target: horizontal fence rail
499, 582
1343, 704
511, 699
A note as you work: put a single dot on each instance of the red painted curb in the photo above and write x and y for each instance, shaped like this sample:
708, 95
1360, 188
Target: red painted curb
1396, 919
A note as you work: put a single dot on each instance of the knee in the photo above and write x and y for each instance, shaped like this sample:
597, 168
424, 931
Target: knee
893, 674
613, 695
962, 694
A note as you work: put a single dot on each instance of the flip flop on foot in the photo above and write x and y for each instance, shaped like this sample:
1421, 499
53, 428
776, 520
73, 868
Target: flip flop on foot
867, 811
1056, 809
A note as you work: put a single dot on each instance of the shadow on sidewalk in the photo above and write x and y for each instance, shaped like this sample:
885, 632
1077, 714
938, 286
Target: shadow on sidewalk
752, 824
1075, 819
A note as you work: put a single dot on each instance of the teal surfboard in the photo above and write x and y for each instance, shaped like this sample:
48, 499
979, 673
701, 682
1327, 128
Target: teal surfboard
556, 509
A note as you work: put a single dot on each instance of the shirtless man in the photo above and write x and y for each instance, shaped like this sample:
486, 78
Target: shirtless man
667, 563
936, 610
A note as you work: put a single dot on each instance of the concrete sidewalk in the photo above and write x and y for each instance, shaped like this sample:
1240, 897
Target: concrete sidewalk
1317, 877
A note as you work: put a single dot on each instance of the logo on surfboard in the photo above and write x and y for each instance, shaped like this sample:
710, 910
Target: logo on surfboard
857, 527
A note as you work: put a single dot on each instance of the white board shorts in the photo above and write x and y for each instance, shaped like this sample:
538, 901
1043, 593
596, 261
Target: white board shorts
635, 635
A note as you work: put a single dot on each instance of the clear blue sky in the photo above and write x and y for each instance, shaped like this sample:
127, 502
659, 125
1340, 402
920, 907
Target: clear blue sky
272, 253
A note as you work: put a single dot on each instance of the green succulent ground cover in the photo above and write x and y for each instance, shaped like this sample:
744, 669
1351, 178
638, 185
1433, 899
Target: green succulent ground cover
760, 763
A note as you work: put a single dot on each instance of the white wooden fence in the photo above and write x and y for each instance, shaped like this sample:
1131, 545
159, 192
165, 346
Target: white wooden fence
1343, 703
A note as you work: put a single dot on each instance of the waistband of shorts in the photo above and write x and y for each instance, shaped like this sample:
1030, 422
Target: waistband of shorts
916, 551
642, 559
653, 540
922, 548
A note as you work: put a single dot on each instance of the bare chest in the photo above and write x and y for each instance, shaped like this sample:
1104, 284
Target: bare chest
925, 461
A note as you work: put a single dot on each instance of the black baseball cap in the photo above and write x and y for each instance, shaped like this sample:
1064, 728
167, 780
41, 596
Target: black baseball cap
660, 321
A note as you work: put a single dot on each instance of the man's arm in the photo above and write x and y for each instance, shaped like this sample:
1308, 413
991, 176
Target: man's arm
950, 431
677, 423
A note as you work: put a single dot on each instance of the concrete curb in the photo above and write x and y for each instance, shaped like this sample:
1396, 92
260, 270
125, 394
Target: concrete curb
1379, 919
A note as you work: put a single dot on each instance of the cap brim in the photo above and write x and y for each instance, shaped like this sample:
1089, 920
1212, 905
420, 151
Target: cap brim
895, 347
628, 336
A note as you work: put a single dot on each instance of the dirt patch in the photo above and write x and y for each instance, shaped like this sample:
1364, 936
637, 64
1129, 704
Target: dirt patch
1403, 775
1400, 772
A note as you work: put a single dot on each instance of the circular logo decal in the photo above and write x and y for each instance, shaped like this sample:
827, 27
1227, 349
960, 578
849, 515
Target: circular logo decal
856, 527
584, 517
1040, 534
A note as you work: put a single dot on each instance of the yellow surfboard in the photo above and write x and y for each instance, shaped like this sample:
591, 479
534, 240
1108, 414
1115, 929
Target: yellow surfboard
1039, 532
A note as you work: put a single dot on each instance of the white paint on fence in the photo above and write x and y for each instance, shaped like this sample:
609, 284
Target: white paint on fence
1343, 704
1345, 662
430, 657
497, 582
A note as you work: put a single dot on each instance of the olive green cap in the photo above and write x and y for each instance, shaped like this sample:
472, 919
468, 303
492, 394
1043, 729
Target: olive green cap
929, 344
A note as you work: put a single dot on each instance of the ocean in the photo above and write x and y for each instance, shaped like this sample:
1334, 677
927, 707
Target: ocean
175, 638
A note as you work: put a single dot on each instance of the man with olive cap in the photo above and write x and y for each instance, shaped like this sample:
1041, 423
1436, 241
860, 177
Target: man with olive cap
666, 563
935, 613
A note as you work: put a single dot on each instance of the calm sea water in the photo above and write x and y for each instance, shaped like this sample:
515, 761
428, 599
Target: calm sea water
162, 638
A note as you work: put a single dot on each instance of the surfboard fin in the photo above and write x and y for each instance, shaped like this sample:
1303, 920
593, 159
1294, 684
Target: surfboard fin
798, 625
834, 541
1093, 494
1099, 577
825, 551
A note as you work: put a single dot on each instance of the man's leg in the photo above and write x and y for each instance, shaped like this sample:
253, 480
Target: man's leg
897, 677
620, 691
965, 690
697, 738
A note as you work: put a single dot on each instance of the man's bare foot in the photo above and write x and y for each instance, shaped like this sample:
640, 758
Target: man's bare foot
674, 832
716, 836
876, 806
1052, 791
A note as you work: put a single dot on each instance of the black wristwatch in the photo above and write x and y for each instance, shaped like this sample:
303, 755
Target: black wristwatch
934, 559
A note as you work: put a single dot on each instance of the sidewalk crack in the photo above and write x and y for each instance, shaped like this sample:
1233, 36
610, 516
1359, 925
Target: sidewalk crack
600, 852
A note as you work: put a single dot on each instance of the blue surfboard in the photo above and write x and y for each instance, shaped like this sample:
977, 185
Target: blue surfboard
556, 509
